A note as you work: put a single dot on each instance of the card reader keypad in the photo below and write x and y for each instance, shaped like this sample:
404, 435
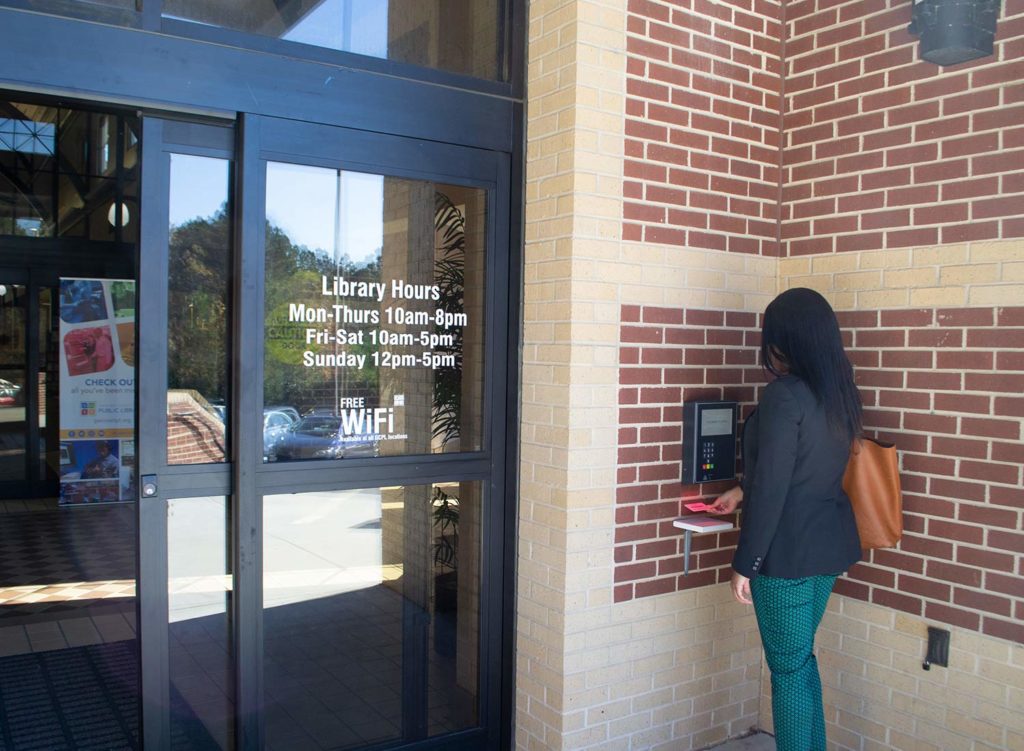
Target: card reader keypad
707, 455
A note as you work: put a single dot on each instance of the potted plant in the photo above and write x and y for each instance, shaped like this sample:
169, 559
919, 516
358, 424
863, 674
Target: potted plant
449, 275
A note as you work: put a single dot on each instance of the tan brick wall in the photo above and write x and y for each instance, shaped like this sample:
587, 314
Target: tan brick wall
673, 672
949, 276
679, 670
559, 523
878, 696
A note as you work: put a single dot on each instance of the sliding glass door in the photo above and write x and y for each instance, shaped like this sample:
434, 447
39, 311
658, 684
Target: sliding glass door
322, 438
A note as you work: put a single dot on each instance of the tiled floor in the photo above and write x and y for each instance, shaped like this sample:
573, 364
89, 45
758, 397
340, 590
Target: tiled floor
66, 576
349, 659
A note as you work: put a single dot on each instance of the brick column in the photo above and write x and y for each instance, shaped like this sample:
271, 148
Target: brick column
593, 672
574, 163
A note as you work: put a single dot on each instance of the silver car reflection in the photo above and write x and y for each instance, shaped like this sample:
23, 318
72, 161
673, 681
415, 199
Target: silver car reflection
10, 393
322, 437
276, 424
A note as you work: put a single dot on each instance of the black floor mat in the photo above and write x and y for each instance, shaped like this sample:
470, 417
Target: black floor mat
82, 699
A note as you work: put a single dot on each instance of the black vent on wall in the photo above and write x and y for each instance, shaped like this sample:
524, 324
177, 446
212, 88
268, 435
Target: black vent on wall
954, 31
938, 648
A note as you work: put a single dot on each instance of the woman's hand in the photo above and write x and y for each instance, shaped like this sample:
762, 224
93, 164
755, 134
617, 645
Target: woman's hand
727, 502
741, 588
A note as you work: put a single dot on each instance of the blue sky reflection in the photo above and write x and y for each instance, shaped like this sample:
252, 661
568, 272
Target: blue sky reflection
359, 26
305, 202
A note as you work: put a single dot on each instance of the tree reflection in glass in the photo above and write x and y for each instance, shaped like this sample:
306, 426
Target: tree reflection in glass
374, 311
198, 310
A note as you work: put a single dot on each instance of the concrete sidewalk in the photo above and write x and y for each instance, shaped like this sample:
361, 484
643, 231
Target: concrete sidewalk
756, 742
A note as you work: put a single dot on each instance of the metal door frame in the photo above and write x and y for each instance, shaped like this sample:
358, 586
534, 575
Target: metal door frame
160, 139
245, 478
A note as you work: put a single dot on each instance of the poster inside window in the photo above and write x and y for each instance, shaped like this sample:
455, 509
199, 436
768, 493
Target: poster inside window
97, 390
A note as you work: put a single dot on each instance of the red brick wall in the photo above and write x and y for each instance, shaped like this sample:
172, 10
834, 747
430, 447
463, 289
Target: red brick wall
883, 150
946, 385
194, 434
668, 356
878, 148
703, 124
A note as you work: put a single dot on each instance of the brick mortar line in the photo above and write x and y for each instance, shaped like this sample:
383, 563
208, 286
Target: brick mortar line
698, 92
647, 60
692, 12
889, 168
938, 413
911, 84
858, 20
970, 114
930, 494
895, 108
888, 327
717, 212
865, 387
855, 347
925, 599
762, 35
895, 147
939, 349
945, 413
912, 184
907, 473
717, 97
644, 141
958, 501
967, 222
885, 209
838, 24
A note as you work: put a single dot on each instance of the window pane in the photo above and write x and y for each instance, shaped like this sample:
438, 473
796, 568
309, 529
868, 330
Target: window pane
48, 384
371, 614
199, 586
13, 360
374, 315
198, 310
67, 173
461, 36
126, 4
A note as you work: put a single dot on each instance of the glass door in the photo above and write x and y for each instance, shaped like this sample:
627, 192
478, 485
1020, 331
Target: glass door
382, 339
29, 446
14, 366
184, 458
323, 359
69, 667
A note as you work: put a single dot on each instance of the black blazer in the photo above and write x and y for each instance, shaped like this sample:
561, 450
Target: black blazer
797, 521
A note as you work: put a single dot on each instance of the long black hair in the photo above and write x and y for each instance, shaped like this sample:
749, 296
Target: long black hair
800, 336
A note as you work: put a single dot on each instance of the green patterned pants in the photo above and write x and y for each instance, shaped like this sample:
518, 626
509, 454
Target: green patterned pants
788, 613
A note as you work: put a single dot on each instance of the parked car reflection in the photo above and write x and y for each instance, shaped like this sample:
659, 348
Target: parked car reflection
10, 393
293, 414
276, 424
322, 437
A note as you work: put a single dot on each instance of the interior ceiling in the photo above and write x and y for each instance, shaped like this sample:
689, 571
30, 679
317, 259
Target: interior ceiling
86, 196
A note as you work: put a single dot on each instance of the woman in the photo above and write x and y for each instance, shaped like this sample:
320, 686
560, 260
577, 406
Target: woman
798, 530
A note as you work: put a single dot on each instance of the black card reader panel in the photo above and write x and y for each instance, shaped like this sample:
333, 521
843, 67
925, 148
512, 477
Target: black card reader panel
709, 441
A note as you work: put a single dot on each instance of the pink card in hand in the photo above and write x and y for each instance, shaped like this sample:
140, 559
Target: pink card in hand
698, 506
